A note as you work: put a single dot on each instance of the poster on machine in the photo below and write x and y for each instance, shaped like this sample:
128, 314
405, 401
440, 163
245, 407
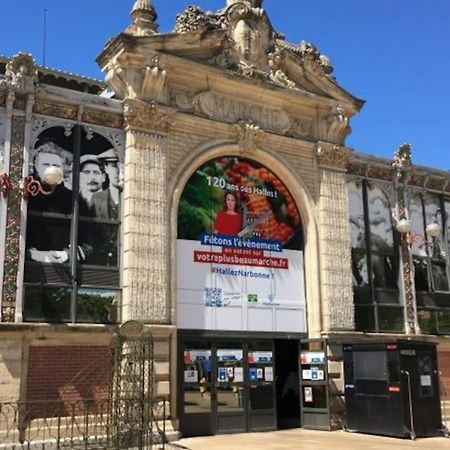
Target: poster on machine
240, 250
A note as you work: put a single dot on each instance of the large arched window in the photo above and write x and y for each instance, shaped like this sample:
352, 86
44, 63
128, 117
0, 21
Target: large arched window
240, 250
71, 258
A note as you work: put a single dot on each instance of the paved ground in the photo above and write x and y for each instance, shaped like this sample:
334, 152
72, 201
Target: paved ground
300, 439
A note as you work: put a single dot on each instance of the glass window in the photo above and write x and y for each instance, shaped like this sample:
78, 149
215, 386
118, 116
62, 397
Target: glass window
391, 319
370, 365
47, 304
364, 318
197, 377
429, 251
73, 222
427, 321
443, 318
230, 379
383, 263
357, 234
375, 266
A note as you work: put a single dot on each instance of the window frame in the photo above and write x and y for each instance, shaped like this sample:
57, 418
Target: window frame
75, 269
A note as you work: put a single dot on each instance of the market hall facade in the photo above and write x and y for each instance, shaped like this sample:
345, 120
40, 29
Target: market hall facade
205, 190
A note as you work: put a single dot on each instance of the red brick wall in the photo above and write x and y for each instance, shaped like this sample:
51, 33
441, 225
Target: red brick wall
444, 368
67, 373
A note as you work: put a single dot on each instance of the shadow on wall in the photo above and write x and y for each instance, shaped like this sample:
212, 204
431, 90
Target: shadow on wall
10, 369
69, 375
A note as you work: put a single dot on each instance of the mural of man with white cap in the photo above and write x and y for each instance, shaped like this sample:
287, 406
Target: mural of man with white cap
105, 204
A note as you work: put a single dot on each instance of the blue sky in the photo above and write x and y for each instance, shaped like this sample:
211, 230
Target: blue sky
395, 54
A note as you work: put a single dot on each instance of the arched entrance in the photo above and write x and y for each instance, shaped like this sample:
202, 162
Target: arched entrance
240, 297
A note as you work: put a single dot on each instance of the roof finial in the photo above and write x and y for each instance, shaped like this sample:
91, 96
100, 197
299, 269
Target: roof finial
144, 17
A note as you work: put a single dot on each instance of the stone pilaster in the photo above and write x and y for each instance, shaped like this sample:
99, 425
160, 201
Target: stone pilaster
334, 238
20, 81
11, 264
402, 166
145, 243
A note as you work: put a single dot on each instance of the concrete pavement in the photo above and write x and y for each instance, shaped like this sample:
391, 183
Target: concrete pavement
301, 439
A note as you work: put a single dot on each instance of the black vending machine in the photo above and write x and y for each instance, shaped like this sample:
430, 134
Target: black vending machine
392, 388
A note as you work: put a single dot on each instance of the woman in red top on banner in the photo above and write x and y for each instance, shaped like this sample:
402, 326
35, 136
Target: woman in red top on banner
228, 221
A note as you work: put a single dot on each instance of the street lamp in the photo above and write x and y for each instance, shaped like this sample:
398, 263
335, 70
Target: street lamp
53, 176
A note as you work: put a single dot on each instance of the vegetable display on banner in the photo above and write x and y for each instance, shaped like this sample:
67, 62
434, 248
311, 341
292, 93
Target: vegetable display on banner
240, 250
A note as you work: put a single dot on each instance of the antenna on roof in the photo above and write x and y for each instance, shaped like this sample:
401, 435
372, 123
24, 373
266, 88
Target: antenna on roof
44, 40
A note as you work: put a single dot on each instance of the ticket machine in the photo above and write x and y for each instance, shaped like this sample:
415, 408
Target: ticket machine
392, 388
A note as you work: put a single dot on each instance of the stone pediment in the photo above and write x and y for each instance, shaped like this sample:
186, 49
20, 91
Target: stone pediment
240, 40
243, 40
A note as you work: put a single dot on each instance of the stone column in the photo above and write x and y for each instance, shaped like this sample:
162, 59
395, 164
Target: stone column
334, 239
146, 219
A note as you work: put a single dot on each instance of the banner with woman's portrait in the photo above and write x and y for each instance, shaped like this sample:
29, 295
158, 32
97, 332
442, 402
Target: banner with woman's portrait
240, 250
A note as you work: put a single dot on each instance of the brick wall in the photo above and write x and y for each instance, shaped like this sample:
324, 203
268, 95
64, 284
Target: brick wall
67, 373
444, 368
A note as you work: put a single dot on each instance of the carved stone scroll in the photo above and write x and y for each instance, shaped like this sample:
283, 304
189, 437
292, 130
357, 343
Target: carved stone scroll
144, 79
338, 126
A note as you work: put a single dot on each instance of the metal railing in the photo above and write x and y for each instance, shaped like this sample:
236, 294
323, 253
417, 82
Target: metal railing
83, 424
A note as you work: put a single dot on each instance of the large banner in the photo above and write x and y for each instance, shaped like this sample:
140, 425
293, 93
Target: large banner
240, 258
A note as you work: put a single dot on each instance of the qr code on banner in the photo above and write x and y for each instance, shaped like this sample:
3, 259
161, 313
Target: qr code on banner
213, 297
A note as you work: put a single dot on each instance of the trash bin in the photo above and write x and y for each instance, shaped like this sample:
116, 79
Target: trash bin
392, 388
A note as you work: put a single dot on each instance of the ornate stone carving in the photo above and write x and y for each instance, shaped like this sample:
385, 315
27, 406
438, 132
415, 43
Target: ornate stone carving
402, 160
13, 219
333, 156
193, 20
232, 110
68, 127
102, 118
144, 16
338, 125
436, 183
21, 74
277, 74
250, 29
247, 135
154, 85
39, 124
147, 82
89, 132
301, 127
143, 116
310, 54
55, 110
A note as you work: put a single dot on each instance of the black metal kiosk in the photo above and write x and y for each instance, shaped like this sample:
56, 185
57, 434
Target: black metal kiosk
392, 388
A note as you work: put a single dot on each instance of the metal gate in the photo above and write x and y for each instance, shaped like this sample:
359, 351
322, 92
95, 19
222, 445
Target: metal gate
131, 396
126, 418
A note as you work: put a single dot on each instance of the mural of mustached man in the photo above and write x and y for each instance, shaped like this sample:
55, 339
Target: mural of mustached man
72, 224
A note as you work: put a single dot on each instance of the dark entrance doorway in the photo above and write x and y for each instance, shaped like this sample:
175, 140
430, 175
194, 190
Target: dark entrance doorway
232, 385
287, 383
